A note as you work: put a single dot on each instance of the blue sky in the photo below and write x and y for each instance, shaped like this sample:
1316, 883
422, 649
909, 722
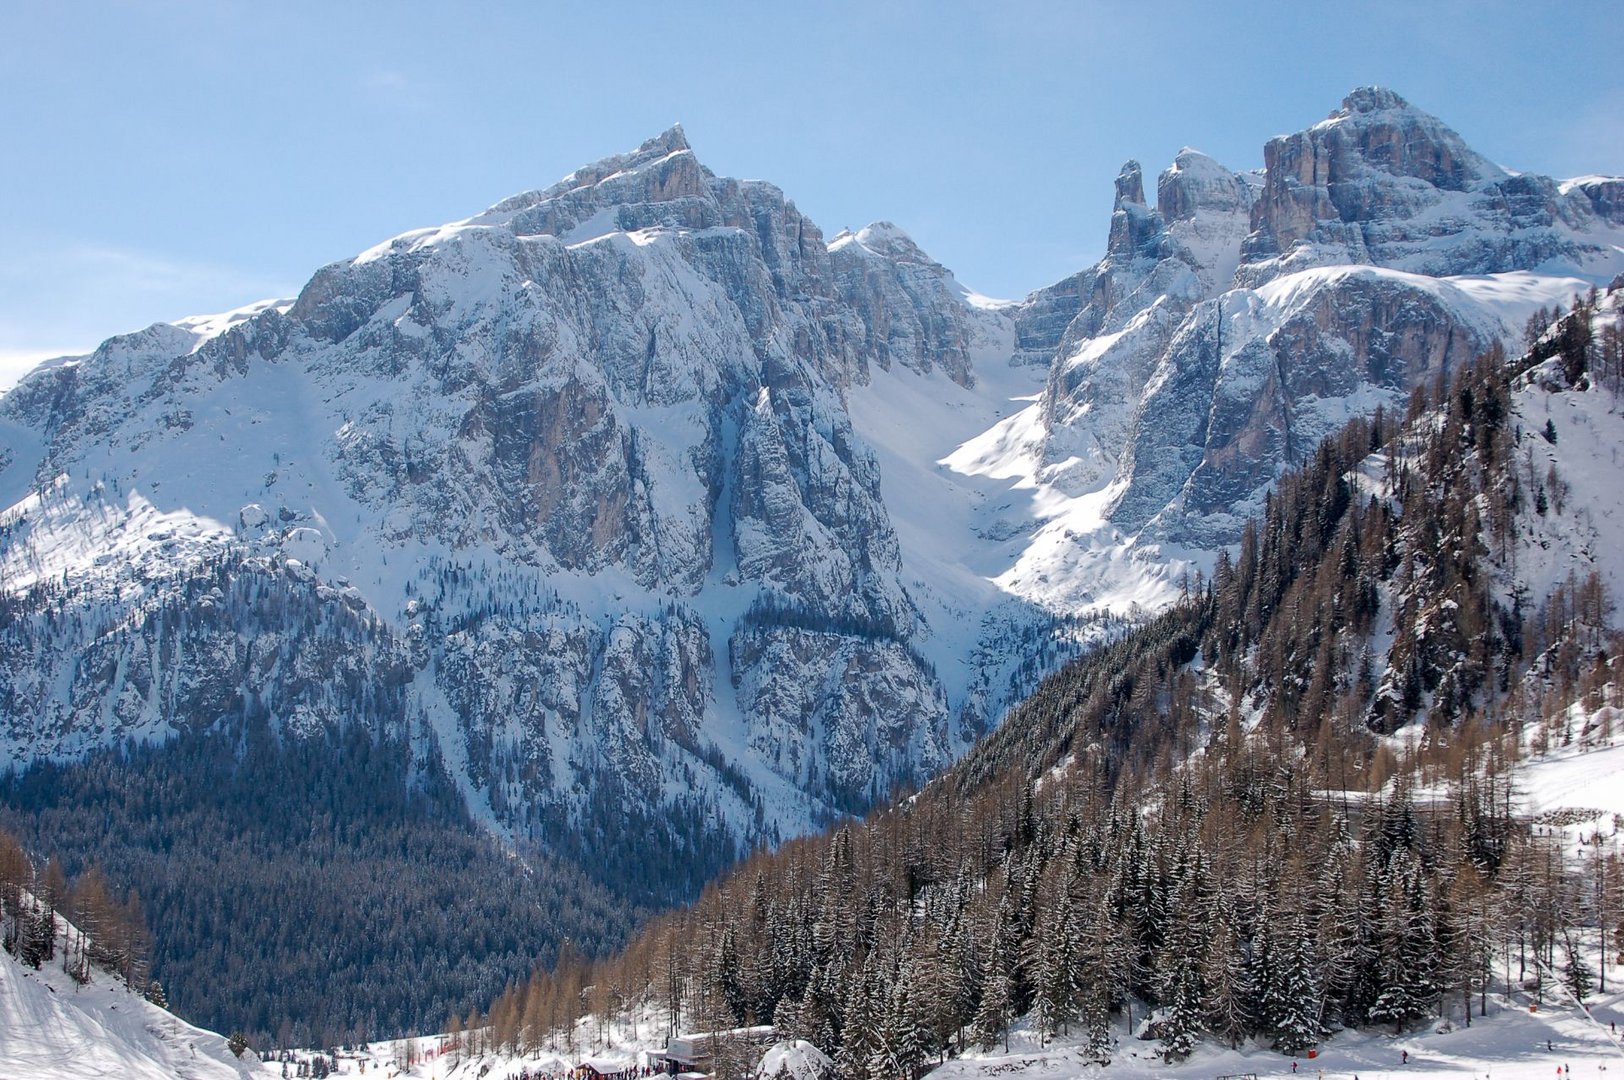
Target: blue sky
177, 156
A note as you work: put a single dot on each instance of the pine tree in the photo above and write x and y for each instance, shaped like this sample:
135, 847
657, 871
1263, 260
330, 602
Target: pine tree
36, 936
1577, 976
1182, 994
1228, 1006
1095, 1015
1291, 996
1050, 968
859, 1036
903, 1044
996, 1010
1182, 962
1409, 952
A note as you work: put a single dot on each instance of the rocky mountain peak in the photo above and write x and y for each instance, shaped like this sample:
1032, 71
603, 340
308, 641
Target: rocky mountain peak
884, 239
1197, 182
1368, 99
1378, 129
1382, 182
1130, 186
1136, 229
661, 172
670, 141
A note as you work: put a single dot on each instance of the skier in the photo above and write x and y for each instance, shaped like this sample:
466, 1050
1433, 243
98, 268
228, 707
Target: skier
1405, 1060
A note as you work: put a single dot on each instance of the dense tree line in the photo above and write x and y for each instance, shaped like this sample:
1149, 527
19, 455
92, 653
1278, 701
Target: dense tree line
100, 931
1205, 826
307, 890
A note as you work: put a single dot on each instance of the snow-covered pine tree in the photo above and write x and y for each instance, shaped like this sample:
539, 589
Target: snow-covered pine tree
905, 1041
951, 1004
1577, 976
36, 935
1291, 998
996, 1010
1408, 946
1050, 967
1182, 964
859, 1036
1228, 1009
1095, 1015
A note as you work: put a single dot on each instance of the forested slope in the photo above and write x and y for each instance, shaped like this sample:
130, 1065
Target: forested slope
307, 891
1284, 807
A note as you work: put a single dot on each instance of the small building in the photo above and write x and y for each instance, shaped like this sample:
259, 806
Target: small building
605, 1067
696, 1052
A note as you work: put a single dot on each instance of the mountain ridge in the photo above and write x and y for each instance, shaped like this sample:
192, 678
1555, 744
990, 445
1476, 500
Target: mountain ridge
666, 524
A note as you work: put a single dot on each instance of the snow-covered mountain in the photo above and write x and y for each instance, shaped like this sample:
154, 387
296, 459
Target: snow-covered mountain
569, 491
644, 508
1247, 315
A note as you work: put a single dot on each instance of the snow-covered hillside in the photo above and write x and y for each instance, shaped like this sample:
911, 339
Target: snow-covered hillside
53, 1028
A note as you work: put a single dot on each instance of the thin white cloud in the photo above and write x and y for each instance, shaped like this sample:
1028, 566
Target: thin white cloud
81, 294
391, 88
130, 271
15, 363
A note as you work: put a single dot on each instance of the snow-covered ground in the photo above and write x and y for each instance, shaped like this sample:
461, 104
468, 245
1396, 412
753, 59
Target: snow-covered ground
1582, 533
1577, 779
1510, 1043
51, 1028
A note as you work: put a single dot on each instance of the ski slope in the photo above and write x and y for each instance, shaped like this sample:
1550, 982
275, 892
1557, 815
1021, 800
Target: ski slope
53, 1029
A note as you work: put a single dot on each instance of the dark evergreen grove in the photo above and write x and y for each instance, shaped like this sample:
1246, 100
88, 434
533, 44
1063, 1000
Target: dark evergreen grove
1204, 825
307, 891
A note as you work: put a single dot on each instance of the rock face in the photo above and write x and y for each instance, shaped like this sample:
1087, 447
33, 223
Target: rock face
573, 479
1245, 317
910, 310
1159, 263
1381, 182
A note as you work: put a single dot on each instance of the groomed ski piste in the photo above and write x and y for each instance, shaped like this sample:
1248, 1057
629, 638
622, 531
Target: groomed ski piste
52, 1028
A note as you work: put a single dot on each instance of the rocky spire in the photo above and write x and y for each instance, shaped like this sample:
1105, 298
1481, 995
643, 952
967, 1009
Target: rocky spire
1130, 185
1136, 229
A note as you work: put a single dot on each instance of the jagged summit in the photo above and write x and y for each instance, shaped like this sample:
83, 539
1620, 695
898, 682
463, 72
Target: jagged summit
1367, 99
885, 239
1196, 181
659, 183
651, 152
1130, 184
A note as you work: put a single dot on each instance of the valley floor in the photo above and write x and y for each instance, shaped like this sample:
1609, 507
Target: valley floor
1577, 788
1509, 1044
